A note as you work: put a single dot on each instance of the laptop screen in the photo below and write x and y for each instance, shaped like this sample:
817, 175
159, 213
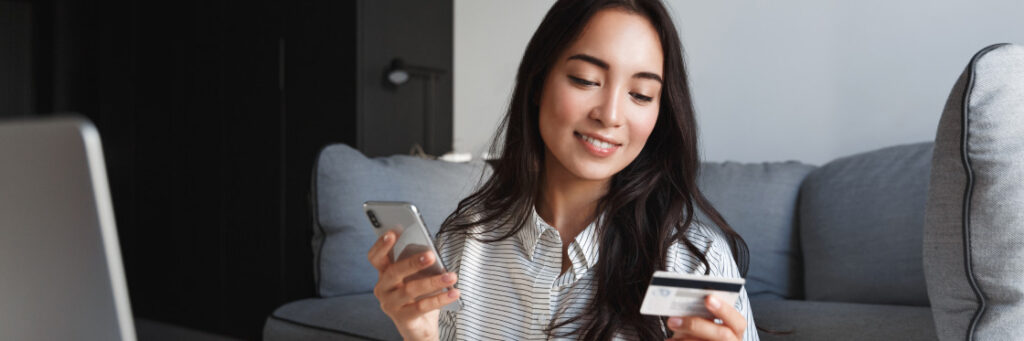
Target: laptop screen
61, 276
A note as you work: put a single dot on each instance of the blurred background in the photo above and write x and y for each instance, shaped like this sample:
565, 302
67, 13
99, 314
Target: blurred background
212, 112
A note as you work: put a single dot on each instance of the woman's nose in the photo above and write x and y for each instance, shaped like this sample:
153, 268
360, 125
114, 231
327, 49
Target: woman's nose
608, 111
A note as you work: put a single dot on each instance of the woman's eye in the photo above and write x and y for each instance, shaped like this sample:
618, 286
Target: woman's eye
582, 81
640, 97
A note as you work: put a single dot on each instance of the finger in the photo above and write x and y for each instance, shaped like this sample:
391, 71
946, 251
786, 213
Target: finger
727, 313
413, 289
692, 327
378, 254
397, 272
431, 303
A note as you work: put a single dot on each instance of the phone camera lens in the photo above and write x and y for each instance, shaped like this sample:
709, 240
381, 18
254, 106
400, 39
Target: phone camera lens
373, 218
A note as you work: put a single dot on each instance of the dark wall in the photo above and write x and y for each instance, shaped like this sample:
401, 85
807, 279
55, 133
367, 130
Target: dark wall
211, 114
320, 96
15, 59
395, 118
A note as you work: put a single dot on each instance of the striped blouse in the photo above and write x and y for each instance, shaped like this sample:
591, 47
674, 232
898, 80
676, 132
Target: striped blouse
511, 289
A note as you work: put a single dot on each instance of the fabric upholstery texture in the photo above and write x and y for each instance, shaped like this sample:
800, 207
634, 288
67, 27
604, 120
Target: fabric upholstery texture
835, 321
277, 329
974, 235
345, 178
759, 201
861, 219
350, 317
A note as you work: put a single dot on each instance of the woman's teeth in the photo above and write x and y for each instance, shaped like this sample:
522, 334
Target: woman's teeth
597, 143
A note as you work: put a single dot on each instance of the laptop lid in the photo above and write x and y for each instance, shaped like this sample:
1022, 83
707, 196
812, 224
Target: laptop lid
61, 276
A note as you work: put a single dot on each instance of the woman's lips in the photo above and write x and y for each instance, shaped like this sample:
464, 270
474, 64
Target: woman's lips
596, 146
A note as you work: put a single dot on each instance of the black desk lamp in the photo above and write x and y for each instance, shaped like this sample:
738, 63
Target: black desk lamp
399, 73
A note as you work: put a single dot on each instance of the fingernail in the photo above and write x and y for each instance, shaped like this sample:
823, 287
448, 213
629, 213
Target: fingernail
448, 277
452, 293
675, 322
387, 237
713, 302
423, 259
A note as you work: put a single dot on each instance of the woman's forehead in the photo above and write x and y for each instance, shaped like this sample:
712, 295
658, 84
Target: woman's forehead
624, 40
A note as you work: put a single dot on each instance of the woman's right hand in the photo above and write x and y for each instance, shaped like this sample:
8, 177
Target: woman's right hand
415, 319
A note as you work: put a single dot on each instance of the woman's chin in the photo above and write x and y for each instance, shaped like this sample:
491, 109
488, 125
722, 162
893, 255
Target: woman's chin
584, 167
594, 172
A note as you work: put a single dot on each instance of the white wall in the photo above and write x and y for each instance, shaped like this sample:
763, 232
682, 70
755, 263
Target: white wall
804, 80
490, 37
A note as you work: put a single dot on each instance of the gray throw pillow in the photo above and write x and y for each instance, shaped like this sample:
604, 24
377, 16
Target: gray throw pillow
759, 201
344, 179
974, 226
861, 218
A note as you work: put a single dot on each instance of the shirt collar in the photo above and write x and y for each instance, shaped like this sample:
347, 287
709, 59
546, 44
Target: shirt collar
529, 235
586, 242
588, 245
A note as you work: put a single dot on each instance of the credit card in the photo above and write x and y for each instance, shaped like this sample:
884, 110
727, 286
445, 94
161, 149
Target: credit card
678, 294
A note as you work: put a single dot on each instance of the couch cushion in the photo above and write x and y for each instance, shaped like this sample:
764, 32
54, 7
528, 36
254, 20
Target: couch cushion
835, 321
861, 221
344, 179
974, 235
351, 317
759, 201
276, 329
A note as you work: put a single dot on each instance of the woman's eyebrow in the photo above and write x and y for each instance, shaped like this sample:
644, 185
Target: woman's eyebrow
649, 75
604, 65
590, 59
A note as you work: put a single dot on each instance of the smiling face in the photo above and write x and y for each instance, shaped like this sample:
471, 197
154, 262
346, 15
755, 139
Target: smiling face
600, 98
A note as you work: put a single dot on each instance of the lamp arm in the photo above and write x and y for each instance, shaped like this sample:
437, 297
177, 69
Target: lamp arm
424, 70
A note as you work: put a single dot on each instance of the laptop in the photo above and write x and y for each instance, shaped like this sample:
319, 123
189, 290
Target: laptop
61, 276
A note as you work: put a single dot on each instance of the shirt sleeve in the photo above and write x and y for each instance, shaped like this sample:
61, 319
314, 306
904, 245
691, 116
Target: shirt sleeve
721, 264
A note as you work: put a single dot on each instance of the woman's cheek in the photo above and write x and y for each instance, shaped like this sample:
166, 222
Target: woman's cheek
643, 127
569, 103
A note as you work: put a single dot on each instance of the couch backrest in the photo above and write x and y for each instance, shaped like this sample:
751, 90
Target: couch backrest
759, 201
861, 223
344, 178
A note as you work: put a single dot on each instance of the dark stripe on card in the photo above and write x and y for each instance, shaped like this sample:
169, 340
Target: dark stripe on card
692, 284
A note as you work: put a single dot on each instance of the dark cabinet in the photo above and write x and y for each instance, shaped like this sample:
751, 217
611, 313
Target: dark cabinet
211, 114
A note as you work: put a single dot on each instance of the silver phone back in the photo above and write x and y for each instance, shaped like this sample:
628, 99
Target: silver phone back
413, 236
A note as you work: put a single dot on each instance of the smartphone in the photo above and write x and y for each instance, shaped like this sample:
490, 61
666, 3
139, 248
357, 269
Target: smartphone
413, 238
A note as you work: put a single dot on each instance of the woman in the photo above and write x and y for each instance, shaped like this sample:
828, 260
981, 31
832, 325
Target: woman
595, 190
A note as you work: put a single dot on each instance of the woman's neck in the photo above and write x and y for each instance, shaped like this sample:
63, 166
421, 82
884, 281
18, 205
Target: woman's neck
566, 201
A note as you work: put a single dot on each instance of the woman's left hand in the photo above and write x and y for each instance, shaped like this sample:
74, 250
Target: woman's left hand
698, 328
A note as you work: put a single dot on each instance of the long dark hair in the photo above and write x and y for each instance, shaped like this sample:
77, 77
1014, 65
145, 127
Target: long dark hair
649, 205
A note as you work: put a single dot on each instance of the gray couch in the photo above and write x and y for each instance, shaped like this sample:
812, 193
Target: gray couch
836, 250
